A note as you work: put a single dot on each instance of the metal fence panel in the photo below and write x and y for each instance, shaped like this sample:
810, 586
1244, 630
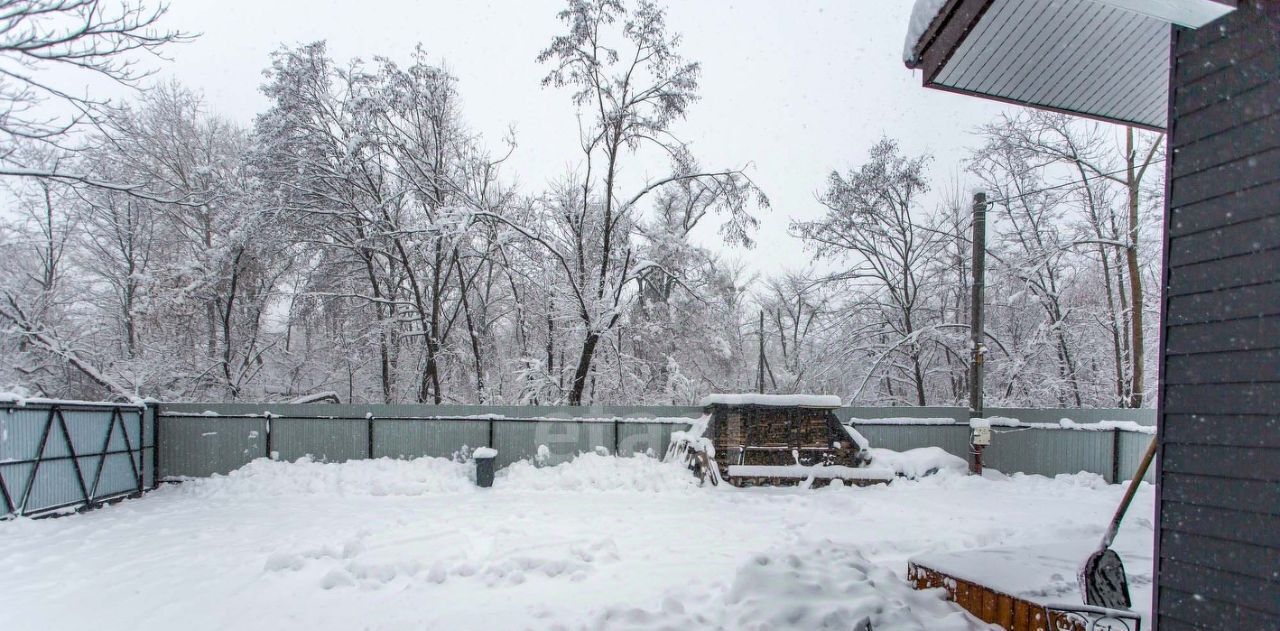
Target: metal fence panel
20, 429
845, 414
954, 439
339, 432
198, 446
215, 442
645, 438
120, 470
414, 438
55, 485
1131, 447
87, 429
1050, 451
521, 440
65, 455
1053, 415
119, 475
414, 410
328, 440
14, 475
515, 441
1026, 415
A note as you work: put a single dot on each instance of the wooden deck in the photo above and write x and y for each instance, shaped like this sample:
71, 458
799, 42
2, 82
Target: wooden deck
1030, 609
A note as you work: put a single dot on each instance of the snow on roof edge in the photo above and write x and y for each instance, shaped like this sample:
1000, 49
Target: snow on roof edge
923, 14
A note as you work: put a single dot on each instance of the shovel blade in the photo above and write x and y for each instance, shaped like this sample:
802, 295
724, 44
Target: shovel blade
1103, 581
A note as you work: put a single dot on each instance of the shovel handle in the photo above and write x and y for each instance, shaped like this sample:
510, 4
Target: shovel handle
1129, 493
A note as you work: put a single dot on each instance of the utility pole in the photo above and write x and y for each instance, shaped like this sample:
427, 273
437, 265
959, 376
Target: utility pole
979, 436
760, 376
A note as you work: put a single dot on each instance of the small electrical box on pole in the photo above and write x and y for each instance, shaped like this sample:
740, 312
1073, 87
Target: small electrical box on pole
977, 341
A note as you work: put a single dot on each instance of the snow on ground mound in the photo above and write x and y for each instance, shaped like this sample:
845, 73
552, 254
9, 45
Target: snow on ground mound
518, 559
1064, 485
383, 476
593, 472
809, 586
422, 476
917, 463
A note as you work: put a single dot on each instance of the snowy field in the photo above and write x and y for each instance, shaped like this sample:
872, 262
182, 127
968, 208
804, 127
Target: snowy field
597, 543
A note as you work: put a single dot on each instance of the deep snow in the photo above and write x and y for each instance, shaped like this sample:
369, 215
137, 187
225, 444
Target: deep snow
600, 542
919, 462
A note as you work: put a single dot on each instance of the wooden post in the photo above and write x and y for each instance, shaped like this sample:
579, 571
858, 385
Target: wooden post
976, 330
760, 375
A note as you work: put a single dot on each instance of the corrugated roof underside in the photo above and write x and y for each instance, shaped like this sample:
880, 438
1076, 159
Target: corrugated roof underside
1070, 55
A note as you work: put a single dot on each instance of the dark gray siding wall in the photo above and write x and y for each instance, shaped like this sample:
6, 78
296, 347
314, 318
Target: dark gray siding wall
1219, 545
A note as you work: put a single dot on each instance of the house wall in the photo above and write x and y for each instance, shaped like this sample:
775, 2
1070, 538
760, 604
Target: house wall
1219, 419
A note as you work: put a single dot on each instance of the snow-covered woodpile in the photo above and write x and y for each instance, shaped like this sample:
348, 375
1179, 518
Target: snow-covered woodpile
782, 439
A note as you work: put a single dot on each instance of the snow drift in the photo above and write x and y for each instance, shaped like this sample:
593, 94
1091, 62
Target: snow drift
917, 463
820, 585
379, 477
425, 476
594, 472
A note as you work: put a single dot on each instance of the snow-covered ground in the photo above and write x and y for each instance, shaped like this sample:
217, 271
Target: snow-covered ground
599, 542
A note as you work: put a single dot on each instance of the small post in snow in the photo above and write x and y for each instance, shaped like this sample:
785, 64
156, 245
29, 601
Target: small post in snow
976, 331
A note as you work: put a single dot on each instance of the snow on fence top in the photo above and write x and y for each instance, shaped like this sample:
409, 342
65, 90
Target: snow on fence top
1001, 421
904, 420
922, 15
1066, 423
318, 397
775, 400
662, 420
18, 400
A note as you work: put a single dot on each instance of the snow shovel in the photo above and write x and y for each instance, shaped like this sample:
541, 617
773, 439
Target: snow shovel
1102, 578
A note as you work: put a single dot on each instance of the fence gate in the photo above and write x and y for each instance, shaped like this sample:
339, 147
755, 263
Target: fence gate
61, 456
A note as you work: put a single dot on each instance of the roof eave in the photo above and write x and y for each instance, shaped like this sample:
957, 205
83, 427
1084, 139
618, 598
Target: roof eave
1039, 106
944, 35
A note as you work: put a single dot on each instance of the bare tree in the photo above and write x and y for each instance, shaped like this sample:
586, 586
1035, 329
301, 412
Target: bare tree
630, 85
874, 221
794, 309
1094, 160
1028, 225
81, 38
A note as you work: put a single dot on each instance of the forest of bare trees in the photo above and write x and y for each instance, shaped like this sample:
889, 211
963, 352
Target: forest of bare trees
361, 239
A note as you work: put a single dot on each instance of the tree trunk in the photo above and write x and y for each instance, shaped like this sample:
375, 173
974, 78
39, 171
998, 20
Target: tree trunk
477, 363
384, 338
1135, 277
584, 368
233, 388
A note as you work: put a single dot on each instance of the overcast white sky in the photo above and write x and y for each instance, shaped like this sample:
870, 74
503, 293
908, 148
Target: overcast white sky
797, 88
